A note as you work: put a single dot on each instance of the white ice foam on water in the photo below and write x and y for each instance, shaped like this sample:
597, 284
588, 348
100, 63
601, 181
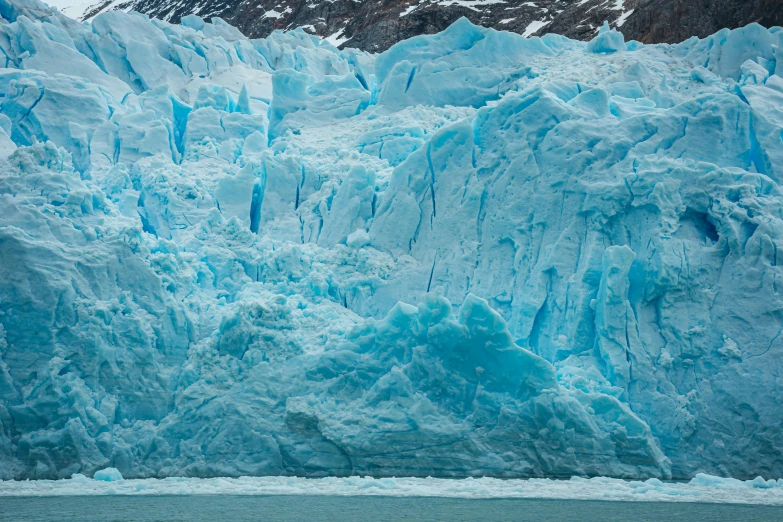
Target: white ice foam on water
703, 488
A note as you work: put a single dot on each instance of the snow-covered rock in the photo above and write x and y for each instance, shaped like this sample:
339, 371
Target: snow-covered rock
207, 244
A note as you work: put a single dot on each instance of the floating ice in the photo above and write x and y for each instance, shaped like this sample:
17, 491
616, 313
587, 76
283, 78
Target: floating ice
703, 488
108, 475
207, 244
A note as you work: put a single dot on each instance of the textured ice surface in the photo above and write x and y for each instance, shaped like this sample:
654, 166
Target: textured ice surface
207, 244
702, 488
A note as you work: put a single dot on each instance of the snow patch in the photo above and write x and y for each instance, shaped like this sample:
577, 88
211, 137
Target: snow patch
623, 17
75, 8
408, 10
534, 26
471, 4
337, 38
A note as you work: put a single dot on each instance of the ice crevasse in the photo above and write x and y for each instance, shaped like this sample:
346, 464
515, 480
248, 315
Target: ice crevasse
472, 254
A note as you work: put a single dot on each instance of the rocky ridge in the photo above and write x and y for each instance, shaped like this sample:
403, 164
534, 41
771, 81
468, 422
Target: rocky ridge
376, 25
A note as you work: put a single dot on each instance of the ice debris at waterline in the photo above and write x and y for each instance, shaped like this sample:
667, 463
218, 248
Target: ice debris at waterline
702, 488
207, 244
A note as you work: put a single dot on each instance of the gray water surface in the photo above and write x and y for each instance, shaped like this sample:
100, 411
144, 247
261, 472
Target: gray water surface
348, 509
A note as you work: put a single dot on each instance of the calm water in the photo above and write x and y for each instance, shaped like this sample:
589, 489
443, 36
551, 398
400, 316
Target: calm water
347, 509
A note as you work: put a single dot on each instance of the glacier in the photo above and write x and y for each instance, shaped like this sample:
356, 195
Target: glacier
475, 254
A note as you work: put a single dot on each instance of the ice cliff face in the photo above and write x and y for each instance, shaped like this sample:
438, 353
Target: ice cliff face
207, 244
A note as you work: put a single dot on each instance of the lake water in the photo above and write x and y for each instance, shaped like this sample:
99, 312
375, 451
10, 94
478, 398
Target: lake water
347, 509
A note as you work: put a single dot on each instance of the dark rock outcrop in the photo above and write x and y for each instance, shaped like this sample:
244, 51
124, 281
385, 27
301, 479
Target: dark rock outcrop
376, 25
672, 21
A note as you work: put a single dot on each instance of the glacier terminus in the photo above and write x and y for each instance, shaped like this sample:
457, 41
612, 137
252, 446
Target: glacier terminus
474, 254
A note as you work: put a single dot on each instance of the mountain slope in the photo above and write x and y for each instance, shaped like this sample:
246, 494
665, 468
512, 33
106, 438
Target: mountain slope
672, 21
375, 25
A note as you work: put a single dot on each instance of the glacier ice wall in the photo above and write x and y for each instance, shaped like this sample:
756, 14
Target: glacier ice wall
207, 244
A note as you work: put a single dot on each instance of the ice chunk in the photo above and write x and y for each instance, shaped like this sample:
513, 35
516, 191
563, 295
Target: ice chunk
352, 207
358, 239
607, 41
463, 65
149, 67
300, 100
143, 134
726, 51
753, 73
193, 21
392, 144
234, 194
612, 320
38, 52
108, 475
65, 110
6, 145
